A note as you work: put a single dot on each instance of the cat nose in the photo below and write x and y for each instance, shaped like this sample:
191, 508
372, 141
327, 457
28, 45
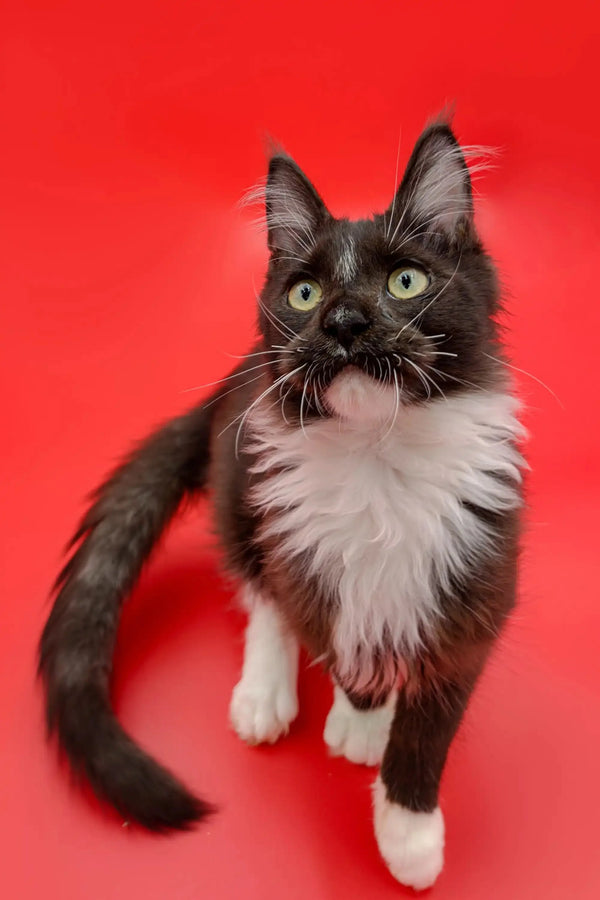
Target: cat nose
345, 323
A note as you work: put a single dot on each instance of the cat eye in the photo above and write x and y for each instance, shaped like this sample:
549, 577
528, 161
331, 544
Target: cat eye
305, 295
407, 282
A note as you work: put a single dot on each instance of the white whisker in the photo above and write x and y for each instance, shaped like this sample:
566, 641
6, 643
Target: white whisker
277, 352
421, 374
432, 301
434, 383
389, 225
303, 397
236, 387
243, 415
277, 322
396, 406
524, 372
439, 372
199, 387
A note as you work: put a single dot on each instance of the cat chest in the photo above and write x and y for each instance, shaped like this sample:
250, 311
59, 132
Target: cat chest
374, 536
385, 522
365, 523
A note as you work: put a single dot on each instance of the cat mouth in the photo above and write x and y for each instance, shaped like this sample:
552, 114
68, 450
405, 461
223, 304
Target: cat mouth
362, 388
377, 368
405, 374
315, 377
355, 395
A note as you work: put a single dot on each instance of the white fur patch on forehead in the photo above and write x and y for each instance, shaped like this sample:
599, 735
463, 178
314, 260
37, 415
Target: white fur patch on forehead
346, 268
356, 397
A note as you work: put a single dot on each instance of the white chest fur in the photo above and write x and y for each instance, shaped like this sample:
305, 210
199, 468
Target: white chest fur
379, 510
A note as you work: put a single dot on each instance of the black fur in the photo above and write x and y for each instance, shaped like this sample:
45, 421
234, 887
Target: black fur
129, 512
462, 281
358, 323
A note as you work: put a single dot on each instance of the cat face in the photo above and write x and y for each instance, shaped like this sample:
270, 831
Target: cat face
405, 298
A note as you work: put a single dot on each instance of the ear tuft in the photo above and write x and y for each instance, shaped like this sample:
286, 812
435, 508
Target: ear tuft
435, 194
294, 209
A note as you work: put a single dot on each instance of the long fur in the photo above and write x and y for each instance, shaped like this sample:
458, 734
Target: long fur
129, 513
366, 488
382, 514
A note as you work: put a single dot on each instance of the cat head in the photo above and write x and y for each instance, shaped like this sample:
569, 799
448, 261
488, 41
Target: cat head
403, 301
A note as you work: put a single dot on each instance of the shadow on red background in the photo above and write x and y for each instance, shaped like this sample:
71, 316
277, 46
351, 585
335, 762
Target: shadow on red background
130, 132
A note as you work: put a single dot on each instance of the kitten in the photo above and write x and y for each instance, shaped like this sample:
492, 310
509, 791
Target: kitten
364, 467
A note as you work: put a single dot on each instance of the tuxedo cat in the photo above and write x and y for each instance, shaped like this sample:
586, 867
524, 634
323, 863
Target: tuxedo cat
364, 468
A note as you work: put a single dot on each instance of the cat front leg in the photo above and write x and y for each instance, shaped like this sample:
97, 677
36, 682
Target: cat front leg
409, 825
265, 700
358, 727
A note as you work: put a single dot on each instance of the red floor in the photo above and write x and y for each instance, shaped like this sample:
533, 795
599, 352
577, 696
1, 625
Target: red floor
130, 132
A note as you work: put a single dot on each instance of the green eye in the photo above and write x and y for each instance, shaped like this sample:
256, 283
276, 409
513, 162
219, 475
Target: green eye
305, 295
407, 282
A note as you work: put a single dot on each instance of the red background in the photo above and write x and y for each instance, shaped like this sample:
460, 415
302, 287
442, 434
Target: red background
130, 131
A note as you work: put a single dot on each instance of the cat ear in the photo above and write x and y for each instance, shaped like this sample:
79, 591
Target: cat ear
435, 194
294, 209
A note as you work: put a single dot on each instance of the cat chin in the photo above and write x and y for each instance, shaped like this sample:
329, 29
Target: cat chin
357, 397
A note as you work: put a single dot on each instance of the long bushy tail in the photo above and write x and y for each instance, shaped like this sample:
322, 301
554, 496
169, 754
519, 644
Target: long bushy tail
128, 514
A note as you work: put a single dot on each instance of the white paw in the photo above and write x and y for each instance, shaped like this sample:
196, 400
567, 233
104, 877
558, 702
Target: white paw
359, 735
411, 843
261, 713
